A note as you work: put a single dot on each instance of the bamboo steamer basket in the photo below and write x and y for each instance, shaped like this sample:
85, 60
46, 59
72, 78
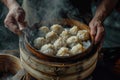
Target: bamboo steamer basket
9, 65
44, 67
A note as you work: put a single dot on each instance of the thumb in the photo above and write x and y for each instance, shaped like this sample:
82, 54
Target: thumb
93, 29
22, 25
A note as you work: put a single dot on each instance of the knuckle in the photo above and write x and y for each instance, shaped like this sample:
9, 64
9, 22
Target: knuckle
6, 22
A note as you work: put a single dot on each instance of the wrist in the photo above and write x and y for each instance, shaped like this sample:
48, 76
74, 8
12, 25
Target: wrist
14, 5
98, 19
11, 4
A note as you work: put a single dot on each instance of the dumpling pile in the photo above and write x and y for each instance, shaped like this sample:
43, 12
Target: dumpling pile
60, 41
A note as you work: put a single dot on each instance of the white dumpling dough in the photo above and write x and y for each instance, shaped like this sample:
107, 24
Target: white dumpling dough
63, 52
83, 35
48, 49
57, 28
65, 34
73, 40
44, 29
77, 49
51, 37
60, 42
38, 42
74, 30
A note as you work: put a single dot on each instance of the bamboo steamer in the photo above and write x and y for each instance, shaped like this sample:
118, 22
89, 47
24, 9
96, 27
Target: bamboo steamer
44, 67
9, 65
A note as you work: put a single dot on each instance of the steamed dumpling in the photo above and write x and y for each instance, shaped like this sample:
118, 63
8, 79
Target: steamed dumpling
83, 35
44, 30
51, 37
38, 42
57, 28
60, 42
73, 40
63, 52
48, 49
77, 49
65, 34
74, 30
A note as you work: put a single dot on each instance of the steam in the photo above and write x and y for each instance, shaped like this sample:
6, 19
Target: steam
57, 9
54, 9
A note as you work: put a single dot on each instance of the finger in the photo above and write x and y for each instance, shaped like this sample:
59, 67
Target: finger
12, 27
20, 16
100, 34
93, 29
10, 24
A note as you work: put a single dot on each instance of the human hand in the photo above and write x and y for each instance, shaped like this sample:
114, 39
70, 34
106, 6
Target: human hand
14, 20
97, 30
